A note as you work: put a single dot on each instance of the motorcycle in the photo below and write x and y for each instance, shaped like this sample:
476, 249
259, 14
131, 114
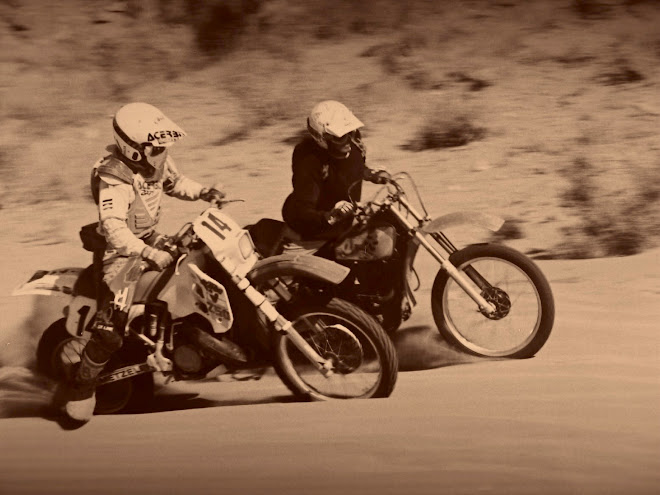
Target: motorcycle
487, 299
220, 309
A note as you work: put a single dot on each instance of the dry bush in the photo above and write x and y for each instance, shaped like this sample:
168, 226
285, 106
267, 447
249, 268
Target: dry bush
619, 73
618, 223
511, 229
581, 192
219, 25
447, 127
591, 9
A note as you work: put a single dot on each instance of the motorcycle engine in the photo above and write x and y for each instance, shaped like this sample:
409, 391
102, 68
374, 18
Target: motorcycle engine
191, 361
374, 243
188, 359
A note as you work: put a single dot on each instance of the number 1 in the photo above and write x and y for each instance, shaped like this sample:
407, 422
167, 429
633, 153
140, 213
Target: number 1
83, 312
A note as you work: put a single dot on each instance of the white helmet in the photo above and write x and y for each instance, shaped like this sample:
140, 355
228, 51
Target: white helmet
332, 125
143, 134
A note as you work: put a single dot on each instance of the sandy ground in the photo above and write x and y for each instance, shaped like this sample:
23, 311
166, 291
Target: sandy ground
580, 417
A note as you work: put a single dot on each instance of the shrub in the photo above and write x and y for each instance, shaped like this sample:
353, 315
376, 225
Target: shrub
620, 223
595, 237
581, 190
217, 31
591, 9
510, 230
443, 133
473, 83
620, 74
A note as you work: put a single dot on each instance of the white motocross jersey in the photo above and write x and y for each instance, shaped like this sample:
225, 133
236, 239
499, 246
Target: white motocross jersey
130, 205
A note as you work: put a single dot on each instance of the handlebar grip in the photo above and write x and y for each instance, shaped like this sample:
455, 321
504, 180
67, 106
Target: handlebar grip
381, 177
217, 203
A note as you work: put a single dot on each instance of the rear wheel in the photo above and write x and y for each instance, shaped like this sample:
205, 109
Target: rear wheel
509, 280
58, 354
363, 356
130, 395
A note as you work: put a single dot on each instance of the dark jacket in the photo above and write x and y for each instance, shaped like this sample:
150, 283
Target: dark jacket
319, 182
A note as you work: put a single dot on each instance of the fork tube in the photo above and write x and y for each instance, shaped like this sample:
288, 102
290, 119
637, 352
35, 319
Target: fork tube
281, 324
448, 246
442, 239
411, 209
453, 272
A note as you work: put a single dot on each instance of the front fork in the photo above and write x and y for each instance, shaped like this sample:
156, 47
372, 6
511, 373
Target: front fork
282, 325
458, 275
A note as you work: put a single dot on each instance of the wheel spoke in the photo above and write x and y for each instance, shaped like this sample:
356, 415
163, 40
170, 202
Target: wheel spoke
357, 370
494, 336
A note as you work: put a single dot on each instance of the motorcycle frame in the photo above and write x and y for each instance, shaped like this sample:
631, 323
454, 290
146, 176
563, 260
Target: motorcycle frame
209, 233
418, 234
77, 323
158, 362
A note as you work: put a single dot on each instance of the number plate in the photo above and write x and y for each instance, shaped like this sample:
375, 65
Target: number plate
226, 239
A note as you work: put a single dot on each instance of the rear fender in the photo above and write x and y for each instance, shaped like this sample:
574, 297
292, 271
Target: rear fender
476, 218
299, 265
60, 282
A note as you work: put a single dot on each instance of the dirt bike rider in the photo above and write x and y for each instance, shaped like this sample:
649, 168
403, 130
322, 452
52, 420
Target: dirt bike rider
325, 164
128, 185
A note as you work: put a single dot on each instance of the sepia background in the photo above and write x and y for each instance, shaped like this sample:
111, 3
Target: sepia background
544, 112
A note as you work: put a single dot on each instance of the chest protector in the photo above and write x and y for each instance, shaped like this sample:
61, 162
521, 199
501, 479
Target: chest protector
144, 210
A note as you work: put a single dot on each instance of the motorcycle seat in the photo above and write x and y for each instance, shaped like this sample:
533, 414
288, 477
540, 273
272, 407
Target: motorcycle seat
268, 236
86, 284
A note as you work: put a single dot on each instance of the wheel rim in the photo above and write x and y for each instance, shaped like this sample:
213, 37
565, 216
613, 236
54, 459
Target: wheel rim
513, 329
357, 362
113, 397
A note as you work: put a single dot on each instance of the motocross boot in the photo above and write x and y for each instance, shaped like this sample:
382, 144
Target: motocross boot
81, 400
80, 394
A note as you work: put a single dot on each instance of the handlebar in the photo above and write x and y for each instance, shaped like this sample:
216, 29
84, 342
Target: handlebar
178, 241
220, 203
395, 191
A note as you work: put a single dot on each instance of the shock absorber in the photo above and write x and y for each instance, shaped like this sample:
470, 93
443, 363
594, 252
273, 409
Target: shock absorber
157, 324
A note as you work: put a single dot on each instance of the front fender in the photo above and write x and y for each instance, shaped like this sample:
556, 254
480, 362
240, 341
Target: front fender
299, 265
477, 218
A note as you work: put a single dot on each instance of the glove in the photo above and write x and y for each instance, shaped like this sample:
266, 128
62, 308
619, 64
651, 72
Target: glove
212, 193
341, 210
379, 176
161, 259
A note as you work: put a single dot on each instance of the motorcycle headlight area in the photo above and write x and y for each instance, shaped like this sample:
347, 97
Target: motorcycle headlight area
245, 245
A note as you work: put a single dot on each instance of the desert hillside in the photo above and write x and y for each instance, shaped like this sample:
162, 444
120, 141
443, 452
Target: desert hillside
545, 112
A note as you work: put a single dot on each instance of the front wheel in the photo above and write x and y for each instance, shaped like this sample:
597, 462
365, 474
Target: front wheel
363, 356
514, 284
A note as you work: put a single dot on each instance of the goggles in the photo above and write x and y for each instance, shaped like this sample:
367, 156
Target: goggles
338, 141
151, 151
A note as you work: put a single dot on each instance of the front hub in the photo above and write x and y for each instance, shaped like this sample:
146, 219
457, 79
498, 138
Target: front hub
498, 298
